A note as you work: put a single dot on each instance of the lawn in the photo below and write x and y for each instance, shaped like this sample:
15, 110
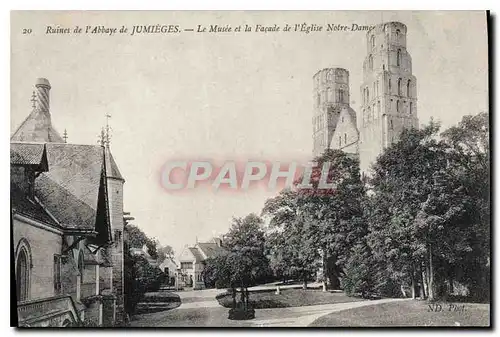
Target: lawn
288, 298
409, 313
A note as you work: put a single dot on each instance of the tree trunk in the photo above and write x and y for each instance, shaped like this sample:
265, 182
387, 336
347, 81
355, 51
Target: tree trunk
431, 275
325, 271
234, 297
451, 290
422, 283
413, 282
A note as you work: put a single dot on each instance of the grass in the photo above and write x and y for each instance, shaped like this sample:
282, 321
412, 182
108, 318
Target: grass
408, 313
288, 298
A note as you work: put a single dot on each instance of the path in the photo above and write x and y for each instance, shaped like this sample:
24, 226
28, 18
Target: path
201, 309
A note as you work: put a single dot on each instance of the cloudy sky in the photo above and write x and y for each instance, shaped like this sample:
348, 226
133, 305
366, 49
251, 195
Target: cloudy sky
228, 95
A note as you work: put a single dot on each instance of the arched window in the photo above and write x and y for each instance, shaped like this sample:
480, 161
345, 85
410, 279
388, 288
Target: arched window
411, 107
340, 141
408, 85
398, 33
399, 87
370, 62
367, 95
345, 138
398, 60
341, 95
391, 126
23, 271
372, 41
398, 106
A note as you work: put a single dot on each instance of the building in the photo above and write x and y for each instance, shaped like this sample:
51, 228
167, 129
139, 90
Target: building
191, 262
388, 104
143, 251
169, 267
67, 225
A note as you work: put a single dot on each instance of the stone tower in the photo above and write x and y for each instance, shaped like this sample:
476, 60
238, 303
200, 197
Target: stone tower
388, 92
330, 96
115, 183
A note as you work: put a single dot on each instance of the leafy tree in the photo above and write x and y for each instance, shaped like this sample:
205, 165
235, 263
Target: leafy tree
359, 273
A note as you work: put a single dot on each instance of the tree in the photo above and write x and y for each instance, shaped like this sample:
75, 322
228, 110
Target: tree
244, 258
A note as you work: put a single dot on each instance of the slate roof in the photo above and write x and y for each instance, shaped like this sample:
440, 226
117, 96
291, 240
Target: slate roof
37, 127
30, 208
112, 170
197, 255
210, 249
70, 189
28, 154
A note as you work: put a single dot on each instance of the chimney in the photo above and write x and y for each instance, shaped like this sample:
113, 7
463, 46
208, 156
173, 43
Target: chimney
42, 86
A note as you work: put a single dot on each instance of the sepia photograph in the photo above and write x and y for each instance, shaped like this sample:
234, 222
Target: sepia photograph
250, 169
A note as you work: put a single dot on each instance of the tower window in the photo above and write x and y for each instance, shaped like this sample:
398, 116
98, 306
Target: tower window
378, 106
399, 87
370, 62
372, 41
345, 138
367, 95
341, 96
391, 126
340, 141
411, 107
398, 60
408, 88
398, 106
398, 32
390, 85
374, 88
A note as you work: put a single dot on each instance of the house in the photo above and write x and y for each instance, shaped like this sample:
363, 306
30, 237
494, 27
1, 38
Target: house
169, 267
191, 262
143, 251
67, 225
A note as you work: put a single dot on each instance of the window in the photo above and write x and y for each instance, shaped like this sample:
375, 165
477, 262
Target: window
367, 95
399, 87
340, 141
57, 274
186, 265
372, 41
370, 62
341, 95
398, 103
374, 88
398, 60
390, 85
411, 107
23, 271
398, 33
391, 126
345, 138
408, 88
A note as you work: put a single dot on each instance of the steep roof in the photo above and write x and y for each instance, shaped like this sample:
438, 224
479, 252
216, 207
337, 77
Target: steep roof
70, 189
197, 255
32, 209
37, 127
209, 249
112, 170
32, 154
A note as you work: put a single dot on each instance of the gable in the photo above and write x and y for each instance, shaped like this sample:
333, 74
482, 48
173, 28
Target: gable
346, 133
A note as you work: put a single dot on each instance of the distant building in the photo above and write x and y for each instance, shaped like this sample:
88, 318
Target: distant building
67, 225
144, 253
169, 267
191, 262
388, 99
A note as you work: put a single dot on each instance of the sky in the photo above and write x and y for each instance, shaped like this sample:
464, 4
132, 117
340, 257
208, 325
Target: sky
222, 95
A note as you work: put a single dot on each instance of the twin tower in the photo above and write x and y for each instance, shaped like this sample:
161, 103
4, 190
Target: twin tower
388, 99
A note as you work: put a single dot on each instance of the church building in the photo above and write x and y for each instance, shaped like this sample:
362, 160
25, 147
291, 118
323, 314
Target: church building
67, 225
388, 99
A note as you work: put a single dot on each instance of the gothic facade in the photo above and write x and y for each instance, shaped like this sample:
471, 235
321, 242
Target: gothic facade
388, 99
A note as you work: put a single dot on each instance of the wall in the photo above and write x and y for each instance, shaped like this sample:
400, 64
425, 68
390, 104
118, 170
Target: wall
43, 244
